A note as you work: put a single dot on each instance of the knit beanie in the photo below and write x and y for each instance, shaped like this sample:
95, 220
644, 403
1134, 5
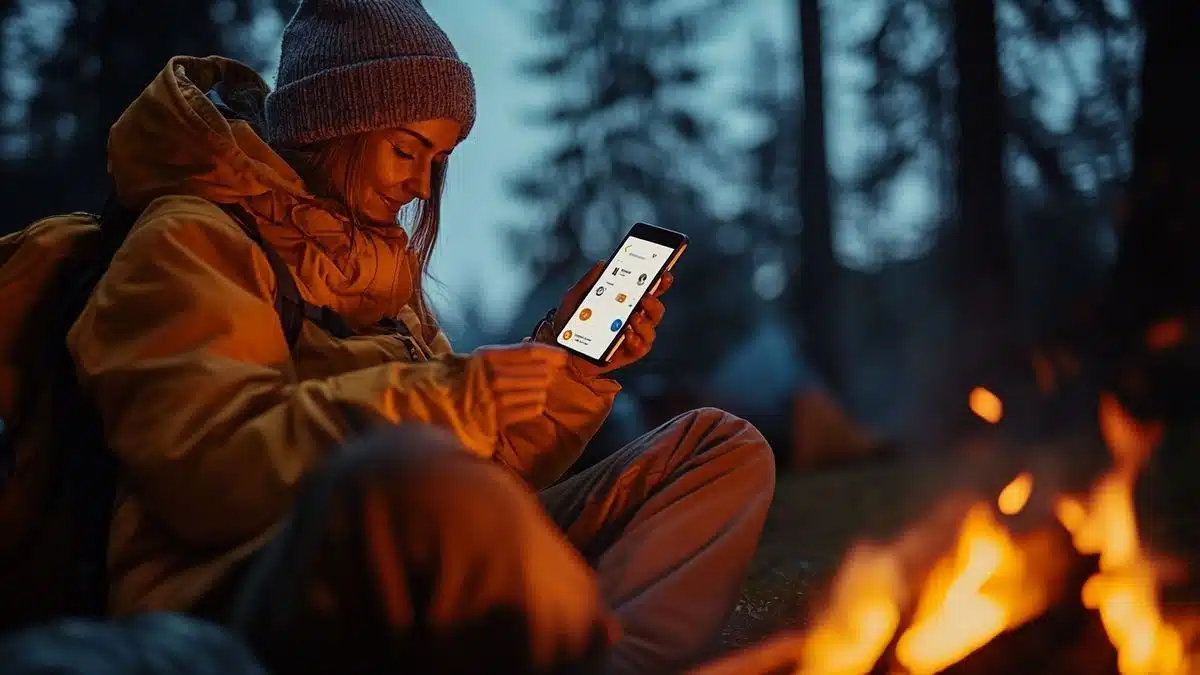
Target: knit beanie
354, 66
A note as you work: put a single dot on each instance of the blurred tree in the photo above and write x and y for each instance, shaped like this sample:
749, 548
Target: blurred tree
10, 53
980, 245
1068, 83
1071, 77
814, 293
893, 185
1069, 72
107, 53
1083, 54
789, 184
771, 174
908, 128
634, 147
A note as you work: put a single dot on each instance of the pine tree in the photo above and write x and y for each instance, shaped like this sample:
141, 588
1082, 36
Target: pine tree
635, 148
108, 52
909, 119
911, 113
771, 176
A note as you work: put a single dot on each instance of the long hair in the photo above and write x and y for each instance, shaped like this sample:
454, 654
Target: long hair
423, 218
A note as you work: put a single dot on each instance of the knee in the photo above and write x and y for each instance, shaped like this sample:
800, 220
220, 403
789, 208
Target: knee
406, 529
423, 471
737, 442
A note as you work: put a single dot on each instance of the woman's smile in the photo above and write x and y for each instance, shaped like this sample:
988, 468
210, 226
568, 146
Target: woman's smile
393, 204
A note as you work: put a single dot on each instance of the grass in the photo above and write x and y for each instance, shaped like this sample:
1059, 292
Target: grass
814, 520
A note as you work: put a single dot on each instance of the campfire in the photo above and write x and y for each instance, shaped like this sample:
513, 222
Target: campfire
960, 585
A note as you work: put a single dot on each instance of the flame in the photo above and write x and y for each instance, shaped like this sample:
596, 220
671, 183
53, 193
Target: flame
1015, 495
863, 614
1129, 440
992, 581
986, 405
988, 585
1126, 589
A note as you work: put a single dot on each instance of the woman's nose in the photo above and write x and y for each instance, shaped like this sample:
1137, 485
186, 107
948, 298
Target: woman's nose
418, 184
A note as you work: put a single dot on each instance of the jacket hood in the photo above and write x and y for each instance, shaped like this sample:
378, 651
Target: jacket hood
174, 140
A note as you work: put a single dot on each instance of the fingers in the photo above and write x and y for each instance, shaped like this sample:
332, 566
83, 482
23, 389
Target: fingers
516, 404
509, 415
652, 309
530, 368
643, 327
663, 285
519, 406
520, 376
640, 337
524, 355
505, 382
532, 398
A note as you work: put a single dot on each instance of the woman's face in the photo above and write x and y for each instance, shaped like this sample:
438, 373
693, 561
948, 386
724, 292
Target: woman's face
397, 166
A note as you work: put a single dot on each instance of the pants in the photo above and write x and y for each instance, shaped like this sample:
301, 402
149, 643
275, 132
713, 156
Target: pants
406, 554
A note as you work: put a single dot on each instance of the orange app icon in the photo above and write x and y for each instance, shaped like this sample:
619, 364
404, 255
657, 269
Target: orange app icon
567, 335
621, 297
585, 314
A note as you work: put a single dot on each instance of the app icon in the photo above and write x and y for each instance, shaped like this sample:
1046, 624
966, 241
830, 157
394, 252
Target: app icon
621, 297
585, 314
600, 290
642, 279
616, 325
567, 335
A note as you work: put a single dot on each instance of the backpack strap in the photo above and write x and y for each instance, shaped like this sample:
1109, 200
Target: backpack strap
292, 308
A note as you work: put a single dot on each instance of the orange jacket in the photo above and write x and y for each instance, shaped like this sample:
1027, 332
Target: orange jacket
212, 418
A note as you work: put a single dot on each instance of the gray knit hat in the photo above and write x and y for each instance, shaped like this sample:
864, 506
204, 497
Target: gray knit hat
354, 66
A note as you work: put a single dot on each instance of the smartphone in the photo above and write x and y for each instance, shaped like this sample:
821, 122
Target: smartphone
596, 328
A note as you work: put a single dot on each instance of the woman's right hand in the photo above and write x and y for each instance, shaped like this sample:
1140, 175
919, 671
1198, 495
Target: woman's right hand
520, 376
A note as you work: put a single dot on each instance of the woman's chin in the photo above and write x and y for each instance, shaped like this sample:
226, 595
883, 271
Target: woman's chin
384, 216
380, 222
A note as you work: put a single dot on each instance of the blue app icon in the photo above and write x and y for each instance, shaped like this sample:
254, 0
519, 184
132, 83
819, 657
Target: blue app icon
616, 325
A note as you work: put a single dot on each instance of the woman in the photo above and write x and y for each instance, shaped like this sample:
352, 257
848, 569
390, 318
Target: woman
444, 539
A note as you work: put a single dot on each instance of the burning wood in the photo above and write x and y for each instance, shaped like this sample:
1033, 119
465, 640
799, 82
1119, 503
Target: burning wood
998, 586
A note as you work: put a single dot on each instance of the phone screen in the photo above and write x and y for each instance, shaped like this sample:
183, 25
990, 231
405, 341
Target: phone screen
607, 306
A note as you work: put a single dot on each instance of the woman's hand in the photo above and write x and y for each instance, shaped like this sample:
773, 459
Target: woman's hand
520, 376
640, 331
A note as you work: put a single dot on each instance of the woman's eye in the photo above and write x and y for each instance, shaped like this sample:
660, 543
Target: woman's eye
402, 153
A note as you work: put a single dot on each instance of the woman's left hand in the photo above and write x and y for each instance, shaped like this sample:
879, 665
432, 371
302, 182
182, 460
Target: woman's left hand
639, 332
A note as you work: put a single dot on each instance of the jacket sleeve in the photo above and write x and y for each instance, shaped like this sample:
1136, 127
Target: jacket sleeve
181, 348
541, 450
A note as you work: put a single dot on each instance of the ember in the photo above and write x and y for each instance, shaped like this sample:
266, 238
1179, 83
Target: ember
987, 405
881, 617
1015, 495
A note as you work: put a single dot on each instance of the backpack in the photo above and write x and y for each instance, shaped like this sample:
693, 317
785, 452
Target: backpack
57, 487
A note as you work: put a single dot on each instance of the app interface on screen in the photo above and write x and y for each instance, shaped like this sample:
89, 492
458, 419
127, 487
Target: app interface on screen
610, 303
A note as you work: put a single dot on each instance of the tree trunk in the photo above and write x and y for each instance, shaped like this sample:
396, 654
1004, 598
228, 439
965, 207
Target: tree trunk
980, 243
1157, 272
818, 266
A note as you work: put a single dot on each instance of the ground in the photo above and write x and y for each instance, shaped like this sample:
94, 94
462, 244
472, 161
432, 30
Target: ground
814, 520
